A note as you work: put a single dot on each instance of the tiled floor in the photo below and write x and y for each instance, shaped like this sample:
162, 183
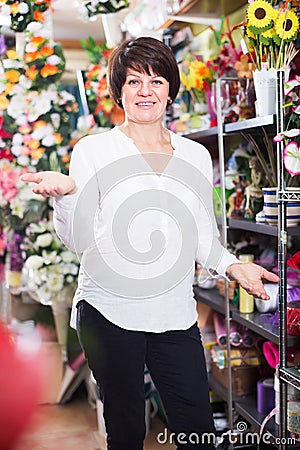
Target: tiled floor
73, 426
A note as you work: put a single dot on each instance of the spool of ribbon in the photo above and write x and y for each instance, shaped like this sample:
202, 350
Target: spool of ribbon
220, 329
293, 318
271, 353
265, 395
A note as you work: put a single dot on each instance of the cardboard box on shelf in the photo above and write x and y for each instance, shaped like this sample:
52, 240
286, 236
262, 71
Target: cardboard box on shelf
244, 378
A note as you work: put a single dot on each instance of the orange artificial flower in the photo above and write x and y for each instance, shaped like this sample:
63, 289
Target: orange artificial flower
14, 8
49, 70
46, 50
58, 138
31, 56
31, 73
12, 76
65, 158
34, 144
8, 88
4, 102
38, 16
24, 129
37, 40
37, 153
39, 124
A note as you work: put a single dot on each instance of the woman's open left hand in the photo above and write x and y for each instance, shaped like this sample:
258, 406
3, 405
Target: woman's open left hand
250, 276
50, 183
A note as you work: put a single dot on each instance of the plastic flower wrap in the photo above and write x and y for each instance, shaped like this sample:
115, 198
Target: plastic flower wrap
291, 136
50, 270
91, 8
271, 30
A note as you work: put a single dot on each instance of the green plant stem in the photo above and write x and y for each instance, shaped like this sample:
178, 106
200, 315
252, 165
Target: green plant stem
270, 151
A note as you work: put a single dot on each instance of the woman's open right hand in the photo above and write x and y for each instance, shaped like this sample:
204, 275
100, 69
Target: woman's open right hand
50, 183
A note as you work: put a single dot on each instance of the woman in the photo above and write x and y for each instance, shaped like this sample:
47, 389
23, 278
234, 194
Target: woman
138, 206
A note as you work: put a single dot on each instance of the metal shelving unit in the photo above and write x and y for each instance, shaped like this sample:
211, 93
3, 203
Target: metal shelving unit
246, 406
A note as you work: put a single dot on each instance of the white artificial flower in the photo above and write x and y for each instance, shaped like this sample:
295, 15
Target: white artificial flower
44, 294
48, 141
62, 150
34, 262
17, 139
44, 240
55, 119
68, 257
23, 8
55, 281
35, 27
26, 194
31, 48
40, 104
17, 207
16, 150
21, 120
37, 228
23, 160
5, 10
42, 132
24, 82
54, 60
18, 103
65, 97
70, 269
50, 257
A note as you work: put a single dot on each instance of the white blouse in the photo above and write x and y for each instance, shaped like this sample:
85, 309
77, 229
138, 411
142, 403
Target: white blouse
138, 223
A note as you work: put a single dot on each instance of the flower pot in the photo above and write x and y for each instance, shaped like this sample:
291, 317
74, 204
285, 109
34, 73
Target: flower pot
112, 29
271, 209
265, 90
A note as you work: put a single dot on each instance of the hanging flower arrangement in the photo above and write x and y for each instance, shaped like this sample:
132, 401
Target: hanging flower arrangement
23, 12
36, 124
271, 32
91, 8
44, 61
50, 270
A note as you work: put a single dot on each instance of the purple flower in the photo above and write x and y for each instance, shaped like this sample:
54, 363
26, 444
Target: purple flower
2, 45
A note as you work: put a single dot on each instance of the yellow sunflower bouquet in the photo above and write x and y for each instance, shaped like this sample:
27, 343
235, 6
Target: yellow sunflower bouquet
271, 31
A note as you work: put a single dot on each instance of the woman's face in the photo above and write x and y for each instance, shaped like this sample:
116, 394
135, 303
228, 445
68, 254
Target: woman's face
144, 97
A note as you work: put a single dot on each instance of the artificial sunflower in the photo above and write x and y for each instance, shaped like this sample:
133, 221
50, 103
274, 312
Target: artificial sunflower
260, 16
268, 36
286, 26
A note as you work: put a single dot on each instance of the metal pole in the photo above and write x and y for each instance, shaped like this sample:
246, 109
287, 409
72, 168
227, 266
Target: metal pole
224, 242
282, 249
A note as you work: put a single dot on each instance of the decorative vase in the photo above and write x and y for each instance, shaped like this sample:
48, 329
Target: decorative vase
271, 209
112, 29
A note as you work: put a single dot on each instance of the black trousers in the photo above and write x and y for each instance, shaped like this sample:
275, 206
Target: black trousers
175, 360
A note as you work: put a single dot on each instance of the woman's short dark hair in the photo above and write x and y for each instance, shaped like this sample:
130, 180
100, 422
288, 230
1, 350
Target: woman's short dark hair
142, 54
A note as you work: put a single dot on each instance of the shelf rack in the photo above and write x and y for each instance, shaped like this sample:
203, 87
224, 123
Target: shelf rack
246, 406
